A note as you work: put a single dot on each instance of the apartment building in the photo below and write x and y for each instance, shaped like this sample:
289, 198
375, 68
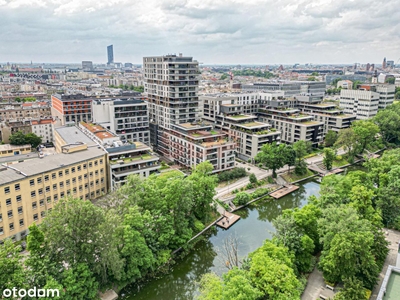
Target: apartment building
292, 124
71, 108
171, 87
29, 189
386, 93
128, 118
8, 128
44, 128
31, 110
124, 158
290, 88
329, 114
362, 103
228, 113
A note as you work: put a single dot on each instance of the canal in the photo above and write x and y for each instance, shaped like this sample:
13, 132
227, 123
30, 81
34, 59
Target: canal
251, 230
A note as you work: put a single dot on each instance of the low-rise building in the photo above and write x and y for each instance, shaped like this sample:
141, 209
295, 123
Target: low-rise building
364, 104
44, 128
11, 150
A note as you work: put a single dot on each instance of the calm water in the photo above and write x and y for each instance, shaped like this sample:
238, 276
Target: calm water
251, 230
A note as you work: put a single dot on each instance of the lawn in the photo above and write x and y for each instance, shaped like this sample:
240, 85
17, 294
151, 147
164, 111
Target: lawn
239, 116
293, 177
171, 174
339, 163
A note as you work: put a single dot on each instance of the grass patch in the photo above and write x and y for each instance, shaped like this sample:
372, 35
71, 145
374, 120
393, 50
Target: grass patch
239, 117
339, 163
214, 132
171, 174
293, 177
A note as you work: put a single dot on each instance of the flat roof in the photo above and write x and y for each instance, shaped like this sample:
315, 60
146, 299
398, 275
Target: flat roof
72, 134
8, 147
393, 287
49, 163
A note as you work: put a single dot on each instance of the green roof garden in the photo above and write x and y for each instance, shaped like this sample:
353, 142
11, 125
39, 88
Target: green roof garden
239, 116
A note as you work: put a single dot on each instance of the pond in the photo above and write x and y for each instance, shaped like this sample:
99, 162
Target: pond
251, 230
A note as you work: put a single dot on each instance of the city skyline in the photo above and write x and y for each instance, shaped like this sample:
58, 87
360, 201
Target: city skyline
223, 32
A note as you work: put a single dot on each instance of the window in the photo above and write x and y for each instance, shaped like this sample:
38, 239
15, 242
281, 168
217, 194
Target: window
79, 168
84, 166
33, 194
80, 188
10, 214
86, 185
17, 187
39, 180
97, 181
101, 161
20, 210
74, 180
85, 176
55, 197
73, 170
31, 182
80, 177
8, 201
101, 170
1, 231
34, 205
91, 174
62, 194
91, 183
40, 191
11, 226
42, 214
48, 199
103, 190
87, 196
21, 222
68, 192
60, 174
74, 190
41, 202
90, 164
96, 172
61, 184
66, 171
7, 190
35, 217
96, 162
54, 186
92, 195
53, 175
19, 198
67, 182
47, 189
46, 178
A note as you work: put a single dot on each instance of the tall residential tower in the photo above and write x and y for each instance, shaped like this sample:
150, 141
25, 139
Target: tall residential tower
110, 54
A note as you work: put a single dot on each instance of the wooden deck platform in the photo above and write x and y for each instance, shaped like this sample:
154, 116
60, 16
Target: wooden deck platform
284, 191
336, 171
228, 220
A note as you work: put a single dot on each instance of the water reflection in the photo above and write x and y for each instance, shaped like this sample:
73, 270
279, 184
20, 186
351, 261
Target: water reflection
252, 229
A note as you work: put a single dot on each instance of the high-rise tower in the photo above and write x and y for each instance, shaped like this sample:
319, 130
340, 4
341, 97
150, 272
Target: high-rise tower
171, 85
384, 63
110, 54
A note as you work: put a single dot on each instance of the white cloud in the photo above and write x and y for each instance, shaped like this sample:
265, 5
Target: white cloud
223, 31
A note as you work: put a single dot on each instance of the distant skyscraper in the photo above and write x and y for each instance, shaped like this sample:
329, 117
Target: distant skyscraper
110, 54
384, 63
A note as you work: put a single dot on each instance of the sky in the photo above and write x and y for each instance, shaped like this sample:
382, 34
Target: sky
212, 31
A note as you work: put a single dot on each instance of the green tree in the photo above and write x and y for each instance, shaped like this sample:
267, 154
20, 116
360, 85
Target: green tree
253, 178
33, 139
210, 287
347, 140
390, 80
223, 76
204, 184
335, 81
356, 83
330, 138
241, 198
139, 89
365, 133
80, 283
301, 150
312, 78
12, 273
238, 286
272, 156
81, 230
290, 156
314, 74
387, 121
271, 272
388, 200
353, 290
329, 157
17, 138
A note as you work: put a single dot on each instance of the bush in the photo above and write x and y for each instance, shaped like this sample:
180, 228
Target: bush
260, 165
248, 169
260, 192
232, 174
198, 226
253, 178
249, 186
241, 199
249, 160
270, 179
235, 191
339, 157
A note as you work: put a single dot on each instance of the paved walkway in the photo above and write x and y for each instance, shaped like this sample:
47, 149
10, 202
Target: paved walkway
315, 286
